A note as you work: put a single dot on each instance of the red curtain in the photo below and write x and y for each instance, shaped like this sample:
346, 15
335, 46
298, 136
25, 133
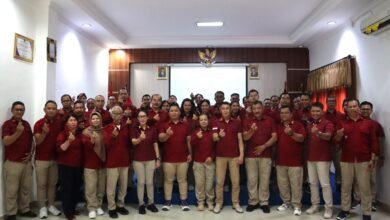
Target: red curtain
339, 93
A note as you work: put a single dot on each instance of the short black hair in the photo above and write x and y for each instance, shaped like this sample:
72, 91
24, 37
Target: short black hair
174, 105
275, 96
66, 95
317, 104
286, 106
145, 95
266, 99
205, 100
284, 93
78, 102
225, 103
253, 90
220, 92
345, 101
352, 100
257, 102
71, 116
17, 103
306, 94
232, 102
50, 101
235, 94
367, 103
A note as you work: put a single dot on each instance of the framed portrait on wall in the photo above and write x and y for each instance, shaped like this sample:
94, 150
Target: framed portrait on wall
23, 48
51, 48
253, 71
162, 72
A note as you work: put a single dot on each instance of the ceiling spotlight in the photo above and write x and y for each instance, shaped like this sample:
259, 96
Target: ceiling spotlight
331, 23
86, 25
210, 24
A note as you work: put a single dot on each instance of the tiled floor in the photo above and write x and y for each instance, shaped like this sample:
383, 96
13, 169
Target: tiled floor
226, 214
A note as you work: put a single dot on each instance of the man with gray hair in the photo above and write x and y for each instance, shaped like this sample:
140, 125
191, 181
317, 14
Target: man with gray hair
117, 142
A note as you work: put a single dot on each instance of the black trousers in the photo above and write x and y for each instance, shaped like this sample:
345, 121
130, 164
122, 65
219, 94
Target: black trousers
70, 181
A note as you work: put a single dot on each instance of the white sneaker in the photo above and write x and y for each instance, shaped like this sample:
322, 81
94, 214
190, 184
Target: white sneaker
92, 215
100, 211
43, 212
283, 207
297, 211
238, 208
217, 208
313, 209
54, 211
328, 213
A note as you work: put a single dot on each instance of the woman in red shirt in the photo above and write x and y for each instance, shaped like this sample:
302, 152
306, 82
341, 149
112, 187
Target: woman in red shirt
204, 167
146, 159
94, 165
69, 149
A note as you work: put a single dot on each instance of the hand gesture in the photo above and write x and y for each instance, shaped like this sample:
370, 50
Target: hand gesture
254, 127
94, 137
194, 117
71, 137
169, 131
142, 136
199, 134
128, 121
340, 132
20, 127
314, 129
115, 132
240, 160
222, 133
288, 130
259, 149
45, 128
156, 117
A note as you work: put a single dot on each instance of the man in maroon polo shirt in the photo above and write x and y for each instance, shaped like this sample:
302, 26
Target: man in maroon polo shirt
260, 135
219, 97
229, 155
67, 108
117, 142
305, 111
79, 112
289, 160
358, 158
366, 111
335, 117
18, 147
145, 105
46, 131
176, 136
319, 133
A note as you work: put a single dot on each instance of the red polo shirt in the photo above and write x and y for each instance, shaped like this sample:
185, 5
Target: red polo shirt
73, 155
290, 152
380, 133
227, 146
163, 118
319, 149
117, 148
175, 149
22, 146
359, 140
144, 151
47, 149
90, 159
265, 128
336, 117
202, 148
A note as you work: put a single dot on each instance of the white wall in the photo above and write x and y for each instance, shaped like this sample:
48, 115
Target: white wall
373, 81
81, 64
272, 78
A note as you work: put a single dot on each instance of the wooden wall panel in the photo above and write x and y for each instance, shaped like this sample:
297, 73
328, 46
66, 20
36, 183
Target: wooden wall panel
296, 59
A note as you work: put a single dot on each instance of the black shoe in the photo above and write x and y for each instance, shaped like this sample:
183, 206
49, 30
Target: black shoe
70, 217
122, 210
250, 208
152, 208
265, 208
11, 217
338, 187
142, 210
342, 215
366, 217
112, 214
160, 190
28, 214
374, 207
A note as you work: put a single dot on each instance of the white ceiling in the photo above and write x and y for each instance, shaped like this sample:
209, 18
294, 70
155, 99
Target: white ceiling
171, 23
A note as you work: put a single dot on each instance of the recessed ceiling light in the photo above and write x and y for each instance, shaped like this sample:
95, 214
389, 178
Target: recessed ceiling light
300, 46
86, 25
210, 24
331, 23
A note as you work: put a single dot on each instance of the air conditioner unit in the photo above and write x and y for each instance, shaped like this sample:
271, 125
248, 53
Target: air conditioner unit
376, 23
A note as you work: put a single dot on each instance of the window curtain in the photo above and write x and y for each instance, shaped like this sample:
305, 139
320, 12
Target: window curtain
335, 75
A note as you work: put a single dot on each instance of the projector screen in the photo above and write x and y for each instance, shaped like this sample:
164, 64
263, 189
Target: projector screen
185, 80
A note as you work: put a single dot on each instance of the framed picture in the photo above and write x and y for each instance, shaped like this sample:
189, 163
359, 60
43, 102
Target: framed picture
162, 72
23, 48
253, 71
51, 47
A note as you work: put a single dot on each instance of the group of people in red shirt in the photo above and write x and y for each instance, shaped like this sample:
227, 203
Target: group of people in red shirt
164, 141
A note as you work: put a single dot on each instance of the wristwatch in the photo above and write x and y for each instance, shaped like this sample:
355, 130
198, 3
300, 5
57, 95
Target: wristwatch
158, 158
